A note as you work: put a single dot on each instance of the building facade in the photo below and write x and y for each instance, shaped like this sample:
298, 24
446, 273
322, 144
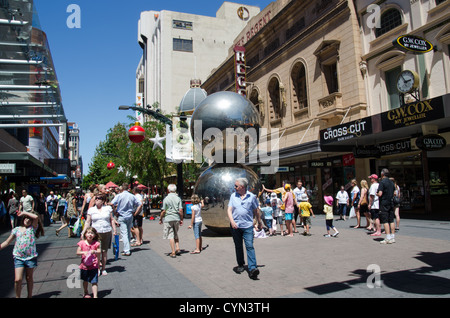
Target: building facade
32, 119
408, 38
178, 47
324, 77
303, 76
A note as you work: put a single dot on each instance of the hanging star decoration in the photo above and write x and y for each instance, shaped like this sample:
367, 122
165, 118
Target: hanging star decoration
157, 141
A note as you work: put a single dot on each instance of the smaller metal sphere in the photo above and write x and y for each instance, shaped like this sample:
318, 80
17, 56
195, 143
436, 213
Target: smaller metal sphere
136, 133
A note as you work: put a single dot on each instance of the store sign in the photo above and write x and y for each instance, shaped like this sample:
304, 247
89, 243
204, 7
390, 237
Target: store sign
346, 131
320, 164
413, 113
243, 13
366, 152
431, 142
252, 29
7, 168
240, 71
394, 147
412, 43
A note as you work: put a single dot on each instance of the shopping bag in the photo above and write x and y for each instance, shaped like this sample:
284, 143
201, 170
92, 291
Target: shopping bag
116, 246
352, 212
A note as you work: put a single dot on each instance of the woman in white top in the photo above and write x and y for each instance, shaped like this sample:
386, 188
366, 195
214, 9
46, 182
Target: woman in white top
100, 217
196, 222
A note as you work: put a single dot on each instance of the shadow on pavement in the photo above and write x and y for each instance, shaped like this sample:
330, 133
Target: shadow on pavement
413, 281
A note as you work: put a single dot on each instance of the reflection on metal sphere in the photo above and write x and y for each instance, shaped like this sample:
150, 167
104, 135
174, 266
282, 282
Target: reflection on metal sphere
215, 186
224, 110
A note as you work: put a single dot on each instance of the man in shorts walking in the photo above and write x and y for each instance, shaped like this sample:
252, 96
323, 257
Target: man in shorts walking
386, 193
172, 214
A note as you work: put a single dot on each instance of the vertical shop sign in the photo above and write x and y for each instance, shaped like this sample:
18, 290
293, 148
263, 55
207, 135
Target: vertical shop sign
240, 70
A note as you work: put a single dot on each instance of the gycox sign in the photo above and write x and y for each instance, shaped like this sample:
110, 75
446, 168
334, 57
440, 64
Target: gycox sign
413, 113
413, 44
431, 142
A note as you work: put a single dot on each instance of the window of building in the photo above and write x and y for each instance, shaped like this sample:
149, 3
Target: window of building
256, 100
297, 27
185, 25
391, 87
299, 95
183, 45
328, 55
390, 19
275, 105
331, 77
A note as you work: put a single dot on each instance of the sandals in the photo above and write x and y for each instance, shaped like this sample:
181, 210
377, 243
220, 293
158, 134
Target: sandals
195, 252
126, 254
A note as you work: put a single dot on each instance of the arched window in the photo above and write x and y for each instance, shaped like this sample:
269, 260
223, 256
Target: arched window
390, 19
256, 100
299, 95
275, 108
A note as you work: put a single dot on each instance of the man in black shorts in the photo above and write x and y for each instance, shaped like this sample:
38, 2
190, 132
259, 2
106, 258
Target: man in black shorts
386, 193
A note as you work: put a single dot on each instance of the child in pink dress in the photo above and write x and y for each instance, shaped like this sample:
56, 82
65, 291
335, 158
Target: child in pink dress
89, 249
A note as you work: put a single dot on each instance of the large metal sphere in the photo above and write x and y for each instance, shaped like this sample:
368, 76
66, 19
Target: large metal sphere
224, 110
215, 186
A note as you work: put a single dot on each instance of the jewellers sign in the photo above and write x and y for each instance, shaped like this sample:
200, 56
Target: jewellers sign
346, 131
412, 43
431, 142
413, 113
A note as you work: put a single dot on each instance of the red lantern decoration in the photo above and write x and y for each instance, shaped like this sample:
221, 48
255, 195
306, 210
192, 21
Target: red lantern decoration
110, 165
136, 133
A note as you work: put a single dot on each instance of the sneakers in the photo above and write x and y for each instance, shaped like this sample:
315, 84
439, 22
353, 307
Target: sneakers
253, 274
239, 269
335, 234
386, 241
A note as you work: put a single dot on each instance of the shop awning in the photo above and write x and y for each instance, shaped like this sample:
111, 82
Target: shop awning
396, 124
25, 160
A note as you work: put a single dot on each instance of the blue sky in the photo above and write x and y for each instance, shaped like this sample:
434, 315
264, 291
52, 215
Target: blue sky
96, 63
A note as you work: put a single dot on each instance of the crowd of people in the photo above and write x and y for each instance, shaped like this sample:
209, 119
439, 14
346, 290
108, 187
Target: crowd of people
108, 212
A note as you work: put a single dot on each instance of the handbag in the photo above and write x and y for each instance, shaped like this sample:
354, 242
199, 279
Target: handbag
364, 200
55, 216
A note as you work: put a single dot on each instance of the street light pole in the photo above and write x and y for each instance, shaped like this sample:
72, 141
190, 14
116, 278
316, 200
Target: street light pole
155, 114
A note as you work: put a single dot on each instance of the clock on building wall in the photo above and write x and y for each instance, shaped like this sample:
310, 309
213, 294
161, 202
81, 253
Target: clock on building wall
407, 81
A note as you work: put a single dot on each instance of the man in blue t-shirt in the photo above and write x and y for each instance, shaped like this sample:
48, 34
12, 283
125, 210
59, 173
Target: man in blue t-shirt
242, 208
124, 204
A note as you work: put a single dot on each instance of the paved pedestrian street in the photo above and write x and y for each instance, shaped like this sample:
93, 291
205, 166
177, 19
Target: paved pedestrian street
352, 265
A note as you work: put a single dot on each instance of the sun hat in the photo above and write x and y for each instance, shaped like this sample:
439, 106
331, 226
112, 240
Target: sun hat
287, 186
328, 199
373, 176
273, 195
304, 197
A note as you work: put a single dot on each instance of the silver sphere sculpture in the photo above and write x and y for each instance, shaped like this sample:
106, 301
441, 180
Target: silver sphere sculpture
220, 111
